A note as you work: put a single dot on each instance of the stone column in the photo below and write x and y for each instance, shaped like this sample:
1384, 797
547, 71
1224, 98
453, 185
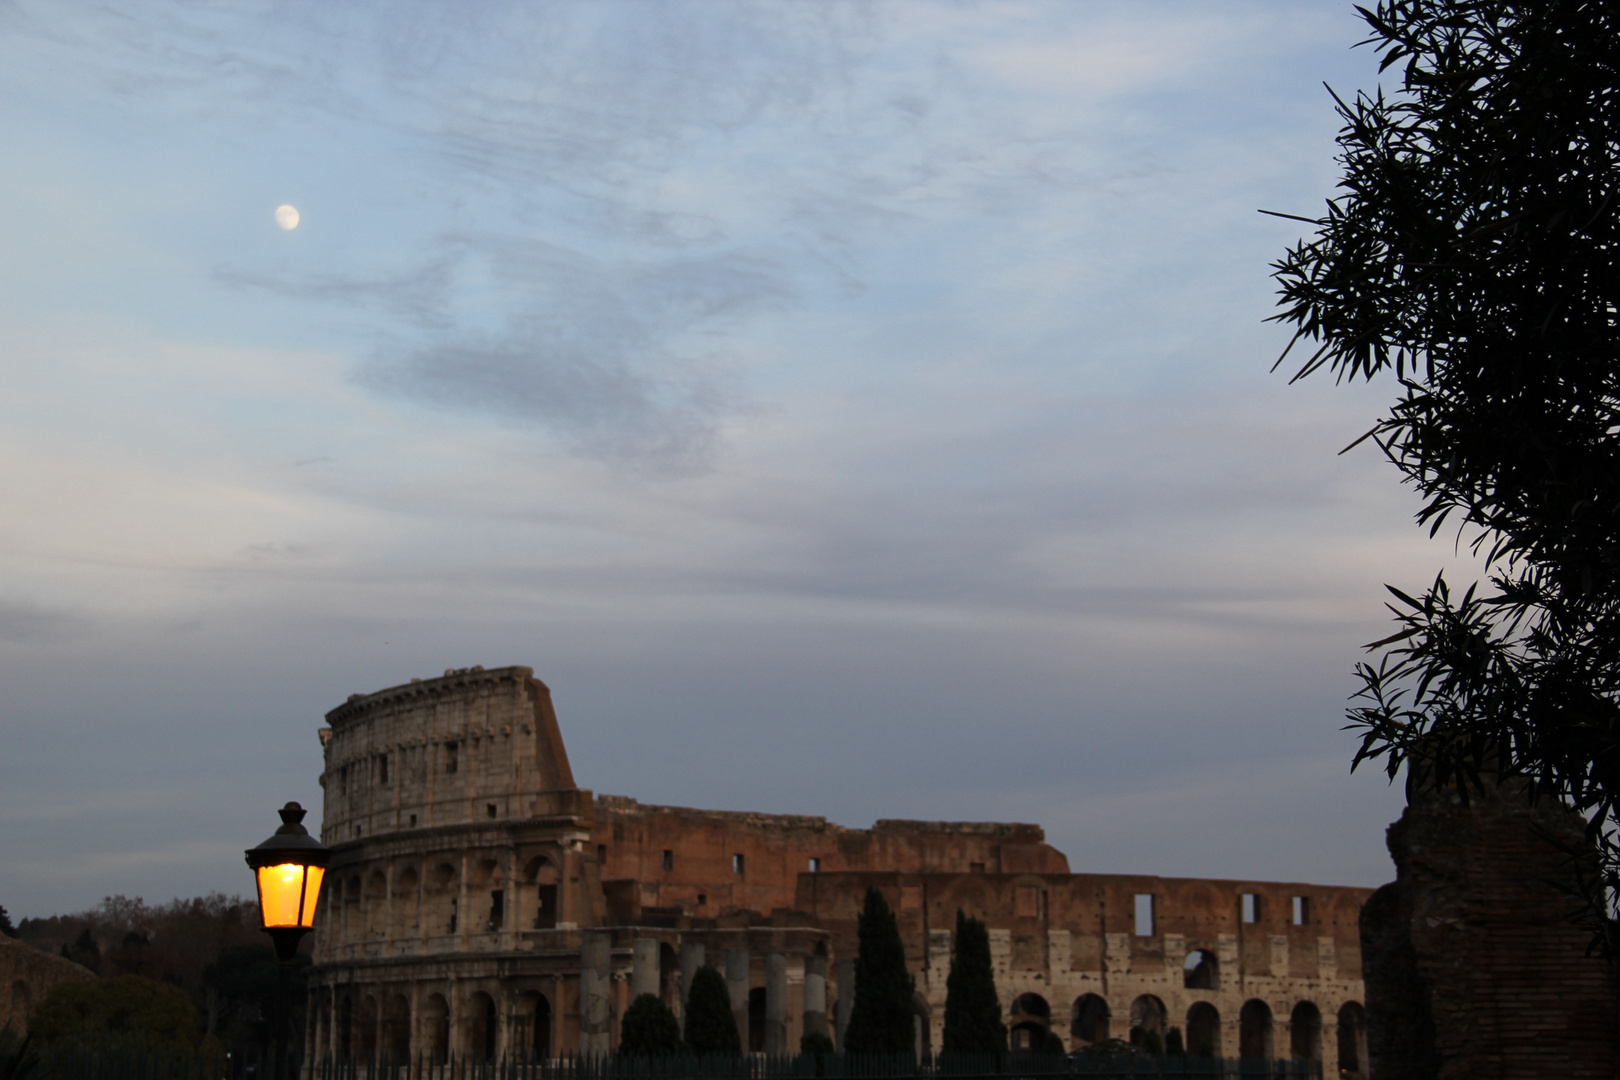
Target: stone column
692, 958
644, 967
737, 987
464, 915
595, 993
846, 996
815, 995
776, 1004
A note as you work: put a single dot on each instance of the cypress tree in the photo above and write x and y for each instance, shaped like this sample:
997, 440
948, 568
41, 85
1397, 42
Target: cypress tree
881, 1019
649, 1028
972, 1010
710, 1026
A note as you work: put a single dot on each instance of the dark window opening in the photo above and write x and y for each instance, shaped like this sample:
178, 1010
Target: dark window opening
1251, 907
702, 899
455, 902
450, 749
737, 864
1302, 910
669, 860
975, 867
1200, 971
1144, 914
497, 909
490, 809
601, 854
756, 1019
382, 769
413, 821
357, 831
815, 866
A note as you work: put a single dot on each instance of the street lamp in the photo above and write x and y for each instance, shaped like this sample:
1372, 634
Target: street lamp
289, 867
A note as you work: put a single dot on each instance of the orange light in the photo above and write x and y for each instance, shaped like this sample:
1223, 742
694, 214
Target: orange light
288, 893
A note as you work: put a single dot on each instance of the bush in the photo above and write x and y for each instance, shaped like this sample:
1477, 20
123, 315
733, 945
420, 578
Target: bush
1173, 1043
123, 1007
816, 1042
649, 1029
711, 1028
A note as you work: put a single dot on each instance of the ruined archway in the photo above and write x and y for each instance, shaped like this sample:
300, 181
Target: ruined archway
1203, 1030
481, 1027
396, 1035
1148, 1023
1201, 971
1254, 1030
436, 1029
540, 873
1031, 1020
1352, 1038
1305, 1032
1088, 1019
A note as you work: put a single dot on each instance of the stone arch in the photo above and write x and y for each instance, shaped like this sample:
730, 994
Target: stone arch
481, 1027
534, 1026
1088, 1019
436, 1029
540, 874
443, 897
1201, 971
365, 1030
1254, 1030
407, 906
376, 904
1305, 1032
1203, 1030
1352, 1038
396, 1033
1148, 1021
1031, 1020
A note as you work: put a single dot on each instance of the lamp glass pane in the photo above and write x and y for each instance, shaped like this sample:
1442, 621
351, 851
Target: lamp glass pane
280, 890
312, 892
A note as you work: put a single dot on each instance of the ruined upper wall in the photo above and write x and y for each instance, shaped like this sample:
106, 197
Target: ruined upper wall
709, 862
471, 745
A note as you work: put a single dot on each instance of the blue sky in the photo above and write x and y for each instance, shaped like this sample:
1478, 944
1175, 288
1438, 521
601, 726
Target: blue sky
852, 409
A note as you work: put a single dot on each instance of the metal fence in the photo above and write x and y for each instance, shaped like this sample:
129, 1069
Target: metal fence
128, 1064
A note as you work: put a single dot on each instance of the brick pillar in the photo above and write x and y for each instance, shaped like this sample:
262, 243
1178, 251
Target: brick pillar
1472, 968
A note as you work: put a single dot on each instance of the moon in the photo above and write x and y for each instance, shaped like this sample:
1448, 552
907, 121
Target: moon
287, 217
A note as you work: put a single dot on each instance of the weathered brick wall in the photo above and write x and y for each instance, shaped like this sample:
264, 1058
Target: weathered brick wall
26, 976
1477, 925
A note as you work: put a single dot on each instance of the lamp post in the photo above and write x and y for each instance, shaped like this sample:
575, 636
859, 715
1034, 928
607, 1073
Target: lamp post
288, 869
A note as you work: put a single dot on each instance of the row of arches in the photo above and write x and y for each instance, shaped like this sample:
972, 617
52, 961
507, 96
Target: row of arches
369, 1027
1090, 1021
426, 902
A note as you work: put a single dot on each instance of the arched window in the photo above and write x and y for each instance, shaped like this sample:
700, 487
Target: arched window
436, 1029
1088, 1019
1027, 1036
1031, 1005
1201, 971
1203, 1030
366, 1031
531, 1036
1254, 1030
397, 1030
1148, 1023
1352, 1038
481, 1026
1031, 1019
1305, 1032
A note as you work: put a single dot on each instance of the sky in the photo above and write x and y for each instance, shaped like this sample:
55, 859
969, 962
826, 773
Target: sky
855, 409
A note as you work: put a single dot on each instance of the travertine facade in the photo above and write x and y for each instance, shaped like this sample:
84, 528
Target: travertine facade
481, 904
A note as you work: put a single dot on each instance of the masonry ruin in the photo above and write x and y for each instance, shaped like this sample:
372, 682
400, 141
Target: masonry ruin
481, 904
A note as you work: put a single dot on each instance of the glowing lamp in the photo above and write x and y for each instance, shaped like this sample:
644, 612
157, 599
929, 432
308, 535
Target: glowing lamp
289, 867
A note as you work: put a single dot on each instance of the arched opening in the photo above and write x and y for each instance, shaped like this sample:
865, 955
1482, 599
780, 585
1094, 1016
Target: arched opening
1352, 1038
1204, 1030
1201, 971
1305, 1032
443, 894
480, 1026
366, 1033
1031, 1020
407, 913
488, 883
540, 1028
436, 1029
377, 904
1088, 1019
756, 1020
541, 874
345, 1027
397, 1030
354, 926
1148, 1023
1254, 1030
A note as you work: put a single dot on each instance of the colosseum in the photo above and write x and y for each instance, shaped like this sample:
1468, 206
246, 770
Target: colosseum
481, 904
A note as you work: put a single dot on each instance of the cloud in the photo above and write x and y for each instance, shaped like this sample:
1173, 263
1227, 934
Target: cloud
22, 621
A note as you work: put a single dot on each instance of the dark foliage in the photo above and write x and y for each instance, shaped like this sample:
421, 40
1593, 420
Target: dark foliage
19, 1060
5, 924
972, 1010
818, 1043
1174, 1044
84, 951
1472, 256
881, 1018
124, 1006
649, 1029
711, 1028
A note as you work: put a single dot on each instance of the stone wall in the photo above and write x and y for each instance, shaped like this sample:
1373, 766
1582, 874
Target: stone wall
26, 976
1474, 967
